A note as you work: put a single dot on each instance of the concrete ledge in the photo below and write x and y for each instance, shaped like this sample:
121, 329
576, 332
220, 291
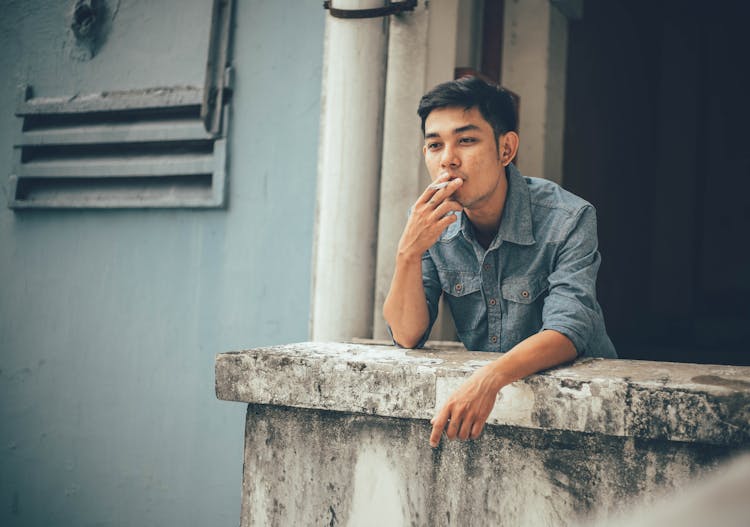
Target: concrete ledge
650, 400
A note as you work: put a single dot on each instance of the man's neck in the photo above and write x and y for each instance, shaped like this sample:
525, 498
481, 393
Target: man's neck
484, 229
485, 219
484, 239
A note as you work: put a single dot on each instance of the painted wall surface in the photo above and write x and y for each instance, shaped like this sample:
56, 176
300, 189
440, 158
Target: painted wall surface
110, 320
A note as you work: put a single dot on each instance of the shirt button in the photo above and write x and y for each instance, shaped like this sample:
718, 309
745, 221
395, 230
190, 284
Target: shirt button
493, 339
525, 294
493, 301
486, 267
459, 287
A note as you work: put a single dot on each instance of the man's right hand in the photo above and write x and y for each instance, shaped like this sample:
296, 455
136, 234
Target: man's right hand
405, 308
429, 218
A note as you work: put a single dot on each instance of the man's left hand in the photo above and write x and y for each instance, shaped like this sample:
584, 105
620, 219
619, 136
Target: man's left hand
467, 409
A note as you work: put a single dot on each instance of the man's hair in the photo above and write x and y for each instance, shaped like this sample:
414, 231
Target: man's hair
494, 103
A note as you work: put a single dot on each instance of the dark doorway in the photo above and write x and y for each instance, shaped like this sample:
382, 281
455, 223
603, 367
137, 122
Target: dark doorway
658, 138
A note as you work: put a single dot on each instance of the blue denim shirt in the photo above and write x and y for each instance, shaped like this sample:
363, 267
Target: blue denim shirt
538, 273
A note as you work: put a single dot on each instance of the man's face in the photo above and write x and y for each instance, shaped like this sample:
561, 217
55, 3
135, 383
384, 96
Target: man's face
460, 143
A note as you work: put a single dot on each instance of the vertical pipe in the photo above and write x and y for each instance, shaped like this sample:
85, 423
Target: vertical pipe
402, 160
348, 174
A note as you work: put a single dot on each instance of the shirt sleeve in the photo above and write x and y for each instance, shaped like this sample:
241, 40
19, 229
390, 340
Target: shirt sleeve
432, 291
571, 307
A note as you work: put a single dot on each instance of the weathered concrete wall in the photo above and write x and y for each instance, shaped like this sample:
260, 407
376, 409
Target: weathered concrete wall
338, 434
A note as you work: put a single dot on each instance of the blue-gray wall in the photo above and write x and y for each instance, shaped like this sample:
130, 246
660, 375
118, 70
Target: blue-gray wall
110, 320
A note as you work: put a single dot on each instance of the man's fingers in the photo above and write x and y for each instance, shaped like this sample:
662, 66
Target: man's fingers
445, 189
457, 422
466, 428
432, 189
447, 206
477, 428
443, 223
438, 186
458, 413
442, 220
438, 424
439, 190
451, 430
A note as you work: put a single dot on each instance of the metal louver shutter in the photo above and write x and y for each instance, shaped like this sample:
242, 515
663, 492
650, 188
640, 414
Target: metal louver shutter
137, 149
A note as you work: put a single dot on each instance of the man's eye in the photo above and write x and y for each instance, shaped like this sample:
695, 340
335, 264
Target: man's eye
433, 146
468, 140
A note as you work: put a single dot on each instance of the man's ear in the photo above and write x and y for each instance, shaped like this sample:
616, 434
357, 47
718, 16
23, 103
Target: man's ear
507, 147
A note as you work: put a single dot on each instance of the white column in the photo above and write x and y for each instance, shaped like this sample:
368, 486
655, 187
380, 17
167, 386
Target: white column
348, 174
421, 54
534, 62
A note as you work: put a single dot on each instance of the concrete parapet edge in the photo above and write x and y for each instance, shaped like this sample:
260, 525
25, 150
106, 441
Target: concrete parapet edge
651, 400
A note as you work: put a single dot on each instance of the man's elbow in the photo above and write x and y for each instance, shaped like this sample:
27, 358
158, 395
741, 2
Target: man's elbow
406, 341
406, 329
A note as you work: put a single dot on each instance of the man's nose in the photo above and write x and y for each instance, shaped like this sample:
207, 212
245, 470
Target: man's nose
449, 158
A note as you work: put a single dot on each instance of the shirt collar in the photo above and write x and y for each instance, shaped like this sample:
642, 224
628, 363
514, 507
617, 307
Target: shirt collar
515, 223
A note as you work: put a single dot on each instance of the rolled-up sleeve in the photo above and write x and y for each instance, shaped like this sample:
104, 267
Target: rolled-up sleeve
571, 307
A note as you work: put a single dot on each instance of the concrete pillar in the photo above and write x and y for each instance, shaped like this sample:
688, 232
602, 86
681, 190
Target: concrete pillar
421, 54
534, 64
348, 173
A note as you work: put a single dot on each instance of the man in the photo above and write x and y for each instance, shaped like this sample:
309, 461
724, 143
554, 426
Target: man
516, 257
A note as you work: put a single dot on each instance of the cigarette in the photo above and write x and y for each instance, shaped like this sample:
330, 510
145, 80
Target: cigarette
438, 186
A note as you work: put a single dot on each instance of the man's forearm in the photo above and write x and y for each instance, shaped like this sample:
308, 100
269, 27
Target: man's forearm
541, 351
405, 308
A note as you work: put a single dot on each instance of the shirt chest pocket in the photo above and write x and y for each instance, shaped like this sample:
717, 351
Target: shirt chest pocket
463, 294
523, 300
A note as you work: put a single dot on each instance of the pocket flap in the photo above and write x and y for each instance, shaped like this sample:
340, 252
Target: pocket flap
459, 283
523, 290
